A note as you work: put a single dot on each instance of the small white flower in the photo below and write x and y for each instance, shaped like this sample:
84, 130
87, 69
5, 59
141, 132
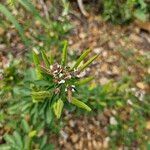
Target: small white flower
137, 94
114, 112
56, 71
133, 89
129, 102
113, 121
62, 81
73, 86
72, 90
68, 77
35, 51
141, 97
65, 89
51, 67
130, 130
60, 75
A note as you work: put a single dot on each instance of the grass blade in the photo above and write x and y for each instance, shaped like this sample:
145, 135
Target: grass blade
51, 59
46, 61
81, 58
64, 53
84, 81
88, 62
37, 63
25, 126
13, 20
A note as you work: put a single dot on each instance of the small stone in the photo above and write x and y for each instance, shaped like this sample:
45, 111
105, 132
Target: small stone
148, 70
97, 50
37, 23
115, 70
82, 35
89, 136
74, 138
106, 142
135, 38
1, 31
113, 121
64, 134
111, 45
104, 67
89, 145
94, 144
103, 80
141, 85
104, 54
148, 125
72, 123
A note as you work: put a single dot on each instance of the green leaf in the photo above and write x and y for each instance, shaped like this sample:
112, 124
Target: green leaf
27, 143
18, 139
12, 19
46, 61
81, 58
9, 138
88, 62
49, 115
141, 15
36, 60
25, 126
5, 147
57, 107
80, 104
84, 81
43, 142
64, 54
35, 55
26, 106
12, 109
51, 58
40, 96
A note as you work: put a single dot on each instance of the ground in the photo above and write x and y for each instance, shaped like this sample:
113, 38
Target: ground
124, 53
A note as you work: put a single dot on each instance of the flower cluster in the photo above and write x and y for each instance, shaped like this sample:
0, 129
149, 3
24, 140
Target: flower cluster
63, 81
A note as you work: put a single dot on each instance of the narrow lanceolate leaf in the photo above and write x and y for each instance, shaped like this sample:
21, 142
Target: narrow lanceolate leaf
87, 63
57, 107
30, 7
36, 61
27, 143
40, 96
49, 115
81, 58
18, 139
35, 56
13, 20
84, 81
64, 54
5, 147
9, 139
51, 60
80, 104
25, 126
46, 61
